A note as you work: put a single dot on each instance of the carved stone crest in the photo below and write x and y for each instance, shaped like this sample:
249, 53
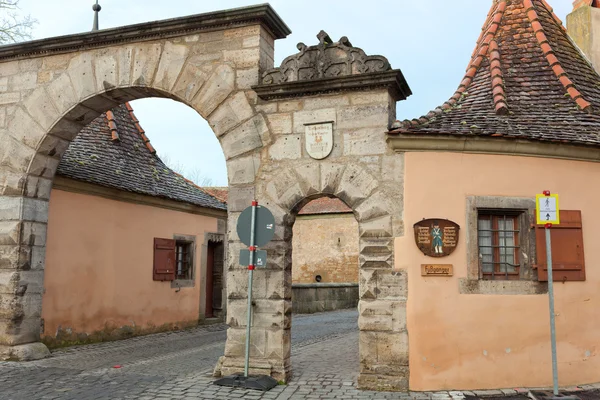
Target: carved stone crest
328, 59
436, 237
319, 139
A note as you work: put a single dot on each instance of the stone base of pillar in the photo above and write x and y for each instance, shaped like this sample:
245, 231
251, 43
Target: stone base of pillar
384, 383
278, 370
24, 352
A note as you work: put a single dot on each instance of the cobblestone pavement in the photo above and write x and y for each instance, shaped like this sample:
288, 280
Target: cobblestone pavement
178, 365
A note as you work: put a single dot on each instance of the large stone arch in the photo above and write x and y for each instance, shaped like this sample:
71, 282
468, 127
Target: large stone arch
218, 64
55, 87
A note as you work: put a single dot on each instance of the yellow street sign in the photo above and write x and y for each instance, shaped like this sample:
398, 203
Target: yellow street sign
546, 209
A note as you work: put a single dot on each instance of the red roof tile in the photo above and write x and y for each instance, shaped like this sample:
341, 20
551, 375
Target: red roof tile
526, 79
325, 205
219, 193
139, 128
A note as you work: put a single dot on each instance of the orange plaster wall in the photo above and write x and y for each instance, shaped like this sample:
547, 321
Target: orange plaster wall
469, 341
99, 260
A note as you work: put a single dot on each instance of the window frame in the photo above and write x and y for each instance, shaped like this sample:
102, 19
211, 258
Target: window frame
494, 214
186, 282
527, 283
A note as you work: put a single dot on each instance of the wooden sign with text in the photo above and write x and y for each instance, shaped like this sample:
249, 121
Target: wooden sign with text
437, 270
436, 237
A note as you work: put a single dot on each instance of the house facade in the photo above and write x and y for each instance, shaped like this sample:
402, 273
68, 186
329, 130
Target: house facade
524, 120
132, 246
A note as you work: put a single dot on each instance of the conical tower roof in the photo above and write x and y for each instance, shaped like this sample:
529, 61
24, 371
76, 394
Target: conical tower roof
526, 79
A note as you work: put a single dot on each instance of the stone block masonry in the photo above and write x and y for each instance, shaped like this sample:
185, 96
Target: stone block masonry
220, 64
52, 89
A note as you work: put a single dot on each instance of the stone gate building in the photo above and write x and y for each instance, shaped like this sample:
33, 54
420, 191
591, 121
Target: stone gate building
524, 119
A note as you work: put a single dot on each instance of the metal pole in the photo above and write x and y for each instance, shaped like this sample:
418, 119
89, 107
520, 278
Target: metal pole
552, 319
251, 269
96, 7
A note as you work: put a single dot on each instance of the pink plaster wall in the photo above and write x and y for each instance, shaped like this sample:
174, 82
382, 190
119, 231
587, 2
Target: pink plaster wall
470, 341
99, 260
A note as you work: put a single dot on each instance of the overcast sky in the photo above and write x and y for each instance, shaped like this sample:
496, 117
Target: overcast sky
431, 41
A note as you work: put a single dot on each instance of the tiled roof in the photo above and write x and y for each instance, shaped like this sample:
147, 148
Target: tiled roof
113, 151
526, 79
322, 205
325, 205
219, 192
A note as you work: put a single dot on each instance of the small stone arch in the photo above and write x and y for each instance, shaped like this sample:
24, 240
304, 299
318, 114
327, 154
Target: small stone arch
285, 192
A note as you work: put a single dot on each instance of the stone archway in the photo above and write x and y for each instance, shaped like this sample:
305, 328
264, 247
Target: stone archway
338, 85
382, 291
56, 86
218, 64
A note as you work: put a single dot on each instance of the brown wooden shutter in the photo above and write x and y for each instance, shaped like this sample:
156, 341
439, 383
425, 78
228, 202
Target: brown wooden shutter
568, 262
164, 259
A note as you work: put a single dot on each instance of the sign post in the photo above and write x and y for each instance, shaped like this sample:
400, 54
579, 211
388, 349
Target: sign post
547, 214
251, 267
255, 228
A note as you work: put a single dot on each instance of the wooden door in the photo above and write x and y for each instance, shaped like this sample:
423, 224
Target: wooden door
210, 267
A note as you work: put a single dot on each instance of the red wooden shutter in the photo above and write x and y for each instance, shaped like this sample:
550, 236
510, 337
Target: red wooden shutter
568, 262
164, 259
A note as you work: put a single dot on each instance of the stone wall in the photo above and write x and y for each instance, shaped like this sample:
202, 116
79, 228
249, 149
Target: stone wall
214, 64
366, 176
51, 90
325, 246
310, 298
583, 26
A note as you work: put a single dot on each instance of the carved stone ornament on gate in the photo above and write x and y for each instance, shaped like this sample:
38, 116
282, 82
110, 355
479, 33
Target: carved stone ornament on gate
328, 59
436, 237
319, 139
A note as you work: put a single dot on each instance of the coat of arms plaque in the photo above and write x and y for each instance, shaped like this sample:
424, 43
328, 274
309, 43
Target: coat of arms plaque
319, 139
436, 237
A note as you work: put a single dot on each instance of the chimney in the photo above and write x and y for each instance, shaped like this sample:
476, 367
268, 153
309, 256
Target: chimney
583, 26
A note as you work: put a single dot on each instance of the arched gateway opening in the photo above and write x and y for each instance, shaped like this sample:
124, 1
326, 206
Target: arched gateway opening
325, 275
117, 214
314, 127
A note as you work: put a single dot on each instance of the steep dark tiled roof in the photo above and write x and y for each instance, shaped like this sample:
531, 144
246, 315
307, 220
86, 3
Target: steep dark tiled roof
526, 79
113, 151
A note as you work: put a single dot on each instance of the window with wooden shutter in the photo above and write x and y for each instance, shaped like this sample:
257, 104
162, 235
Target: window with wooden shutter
164, 259
499, 244
568, 261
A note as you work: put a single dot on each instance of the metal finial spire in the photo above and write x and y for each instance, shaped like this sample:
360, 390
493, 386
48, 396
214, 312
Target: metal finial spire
96, 7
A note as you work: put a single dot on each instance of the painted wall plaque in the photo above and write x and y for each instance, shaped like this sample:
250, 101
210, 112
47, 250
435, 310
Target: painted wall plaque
437, 270
319, 139
436, 237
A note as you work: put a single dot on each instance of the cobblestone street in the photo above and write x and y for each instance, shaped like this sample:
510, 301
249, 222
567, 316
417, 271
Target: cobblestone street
178, 366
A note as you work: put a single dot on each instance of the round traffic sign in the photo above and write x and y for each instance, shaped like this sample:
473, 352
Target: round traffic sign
264, 226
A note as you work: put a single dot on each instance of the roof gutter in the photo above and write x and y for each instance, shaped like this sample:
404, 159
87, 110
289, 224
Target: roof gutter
500, 146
